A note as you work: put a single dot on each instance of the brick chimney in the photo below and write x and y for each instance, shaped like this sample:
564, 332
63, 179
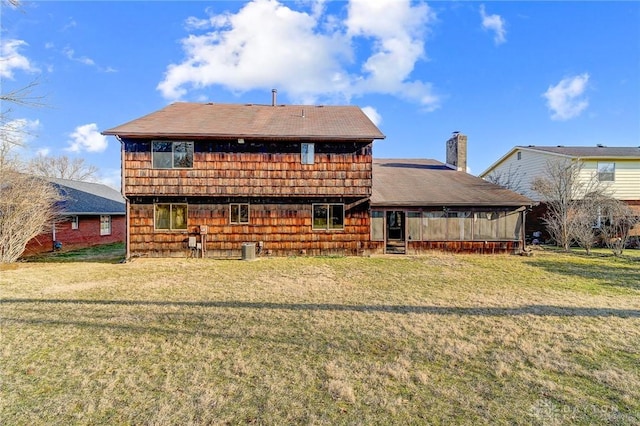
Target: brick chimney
457, 152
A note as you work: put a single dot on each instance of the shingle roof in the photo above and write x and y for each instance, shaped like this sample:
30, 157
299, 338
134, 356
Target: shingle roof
82, 198
590, 151
197, 120
418, 182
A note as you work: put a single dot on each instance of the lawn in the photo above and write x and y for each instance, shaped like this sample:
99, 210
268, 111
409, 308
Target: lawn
463, 339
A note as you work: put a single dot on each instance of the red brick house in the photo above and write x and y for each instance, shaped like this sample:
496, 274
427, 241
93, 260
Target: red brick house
204, 179
90, 214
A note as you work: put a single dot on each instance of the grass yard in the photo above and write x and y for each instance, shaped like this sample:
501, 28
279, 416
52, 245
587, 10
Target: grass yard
462, 339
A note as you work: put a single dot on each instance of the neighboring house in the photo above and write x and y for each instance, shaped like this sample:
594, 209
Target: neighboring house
420, 204
617, 167
205, 179
89, 214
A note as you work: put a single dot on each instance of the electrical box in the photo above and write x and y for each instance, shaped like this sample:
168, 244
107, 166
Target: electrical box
204, 229
192, 242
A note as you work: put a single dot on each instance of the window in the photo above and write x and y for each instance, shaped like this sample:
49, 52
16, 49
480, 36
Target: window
172, 155
306, 153
328, 216
74, 222
105, 225
606, 172
239, 213
519, 155
171, 217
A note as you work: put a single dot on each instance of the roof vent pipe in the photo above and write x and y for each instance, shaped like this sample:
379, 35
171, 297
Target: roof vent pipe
274, 96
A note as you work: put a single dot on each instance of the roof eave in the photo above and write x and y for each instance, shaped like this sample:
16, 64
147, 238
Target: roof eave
145, 135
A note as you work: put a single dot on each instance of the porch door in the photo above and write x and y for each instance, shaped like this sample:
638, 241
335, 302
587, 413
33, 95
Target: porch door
395, 231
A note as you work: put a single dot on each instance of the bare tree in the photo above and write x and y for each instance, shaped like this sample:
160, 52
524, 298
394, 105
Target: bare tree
585, 230
62, 167
617, 221
27, 209
510, 178
27, 203
569, 196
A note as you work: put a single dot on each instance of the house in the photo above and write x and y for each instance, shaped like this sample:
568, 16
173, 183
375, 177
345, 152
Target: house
89, 214
205, 178
208, 180
617, 167
420, 205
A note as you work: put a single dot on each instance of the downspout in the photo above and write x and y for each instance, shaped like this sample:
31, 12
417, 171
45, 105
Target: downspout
127, 237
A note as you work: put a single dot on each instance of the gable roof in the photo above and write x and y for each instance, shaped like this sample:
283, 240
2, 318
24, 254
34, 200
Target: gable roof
582, 152
210, 120
424, 183
87, 198
589, 151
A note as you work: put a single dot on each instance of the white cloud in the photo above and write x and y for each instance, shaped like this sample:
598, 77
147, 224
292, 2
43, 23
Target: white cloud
565, 99
70, 53
11, 59
43, 152
373, 115
494, 23
110, 177
19, 132
87, 138
310, 56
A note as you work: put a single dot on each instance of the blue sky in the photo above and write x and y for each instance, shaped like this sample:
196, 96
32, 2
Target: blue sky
503, 73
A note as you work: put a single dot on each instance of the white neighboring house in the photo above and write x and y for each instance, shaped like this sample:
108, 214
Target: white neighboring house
618, 167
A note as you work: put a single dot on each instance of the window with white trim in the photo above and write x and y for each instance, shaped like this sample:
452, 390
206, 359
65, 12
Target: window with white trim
105, 225
74, 222
170, 217
172, 155
328, 216
239, 213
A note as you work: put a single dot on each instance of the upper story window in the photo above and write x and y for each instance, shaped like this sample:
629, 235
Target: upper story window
328, 216
171, 217
172, 155
606, 172
519, 155
239, 213
307, 153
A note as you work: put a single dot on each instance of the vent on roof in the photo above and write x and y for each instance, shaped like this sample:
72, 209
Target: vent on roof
600, 145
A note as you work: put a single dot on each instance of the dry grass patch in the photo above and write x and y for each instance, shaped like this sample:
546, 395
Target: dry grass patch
406, 340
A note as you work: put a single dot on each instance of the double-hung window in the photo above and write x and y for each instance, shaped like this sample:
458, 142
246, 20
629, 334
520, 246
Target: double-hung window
171, 217
328, 216
105, 225
172, 155
75, 222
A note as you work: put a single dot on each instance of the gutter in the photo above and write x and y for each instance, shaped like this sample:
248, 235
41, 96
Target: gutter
127, 232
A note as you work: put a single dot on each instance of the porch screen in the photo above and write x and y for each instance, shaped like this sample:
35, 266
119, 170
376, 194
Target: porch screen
377, 225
